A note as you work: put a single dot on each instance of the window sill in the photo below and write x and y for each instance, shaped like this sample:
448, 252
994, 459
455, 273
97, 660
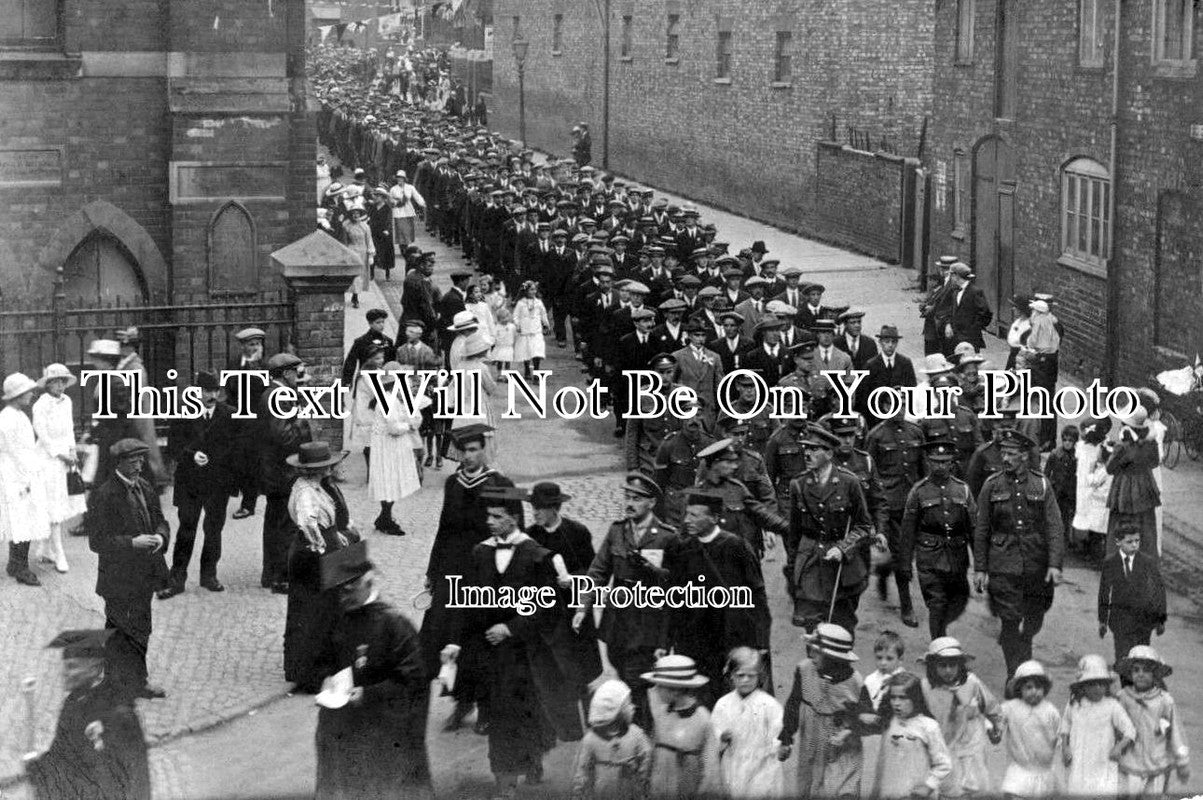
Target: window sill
722, 81
626, 59
672, 62
959, 63
958, 234
781, 85
34, 65
1175, 69
1082, 265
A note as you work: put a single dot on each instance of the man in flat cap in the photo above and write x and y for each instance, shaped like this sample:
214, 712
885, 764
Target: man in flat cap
829, 527
99, 749
860, 348
375, 744
279, 439
1018, 547
700, 368
939, 285
202, 449
964, 312
126, 529
244, 455
419, 296
633, 551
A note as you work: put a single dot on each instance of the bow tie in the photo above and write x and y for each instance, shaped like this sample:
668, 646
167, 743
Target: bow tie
509, 546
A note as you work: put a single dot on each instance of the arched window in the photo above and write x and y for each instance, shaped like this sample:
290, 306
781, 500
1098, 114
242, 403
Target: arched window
1086, 212
233, 262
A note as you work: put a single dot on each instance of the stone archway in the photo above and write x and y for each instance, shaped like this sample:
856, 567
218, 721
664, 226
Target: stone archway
103, 216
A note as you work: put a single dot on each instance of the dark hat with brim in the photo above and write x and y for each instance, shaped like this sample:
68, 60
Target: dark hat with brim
711, 500
508, 497
340, 567
207, 379
640, 484
315, 455
818, 436
547, 494
889, 332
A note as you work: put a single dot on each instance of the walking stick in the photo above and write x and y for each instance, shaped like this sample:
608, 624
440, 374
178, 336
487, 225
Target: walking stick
839, 570
27, 688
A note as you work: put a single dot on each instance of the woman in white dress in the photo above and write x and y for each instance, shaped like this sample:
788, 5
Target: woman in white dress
54, 426
23, 513
359, 436
465, 324
530, 316
476, 351
1091, 514
394, 469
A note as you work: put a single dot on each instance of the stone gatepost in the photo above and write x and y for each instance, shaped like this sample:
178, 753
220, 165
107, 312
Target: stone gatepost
319, 270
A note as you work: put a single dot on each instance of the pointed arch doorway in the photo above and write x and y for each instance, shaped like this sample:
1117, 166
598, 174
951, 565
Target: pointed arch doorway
102, 272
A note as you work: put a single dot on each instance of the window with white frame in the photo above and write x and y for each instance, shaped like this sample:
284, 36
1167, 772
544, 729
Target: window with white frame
1086, 212
960, 191
1090, 33
1173, 30
964, 54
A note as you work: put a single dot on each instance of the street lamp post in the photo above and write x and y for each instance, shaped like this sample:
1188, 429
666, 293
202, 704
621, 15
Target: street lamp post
521, 46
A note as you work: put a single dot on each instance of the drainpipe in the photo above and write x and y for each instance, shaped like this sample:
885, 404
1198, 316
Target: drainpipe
1111, 365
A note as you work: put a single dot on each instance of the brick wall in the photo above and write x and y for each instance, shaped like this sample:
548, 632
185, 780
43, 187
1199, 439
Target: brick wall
1063, 113
745, 145
862, 199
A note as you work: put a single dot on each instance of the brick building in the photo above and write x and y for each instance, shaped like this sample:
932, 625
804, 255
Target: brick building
154, 149
728, 101
1032, 189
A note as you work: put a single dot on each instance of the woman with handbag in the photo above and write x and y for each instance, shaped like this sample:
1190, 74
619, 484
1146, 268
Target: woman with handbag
54, 425
323, 524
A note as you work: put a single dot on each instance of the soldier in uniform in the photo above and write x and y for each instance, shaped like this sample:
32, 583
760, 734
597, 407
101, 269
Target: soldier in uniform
676, 466
963, 430
751, 470
987, 459
742, 513
632, 551
862, 465
829, 524
783, 459
1018, 546
99, 750
937, 529
895, 446
760, 427
643, 437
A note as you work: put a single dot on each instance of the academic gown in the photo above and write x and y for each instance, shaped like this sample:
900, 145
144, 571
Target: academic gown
574, 542
98, 752
376, 748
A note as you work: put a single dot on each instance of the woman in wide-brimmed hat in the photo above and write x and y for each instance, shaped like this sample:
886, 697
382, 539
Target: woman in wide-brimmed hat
54, 425
24, 517
319, 511
474, 372
463, 324
686, 750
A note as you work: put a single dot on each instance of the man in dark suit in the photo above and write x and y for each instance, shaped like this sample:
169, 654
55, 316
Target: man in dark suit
557, 277
363, 344
861, 348
201, 448
769, 359
127, 531
244, 461
887, 368
964, 311
633, 352
935, 295
279, 438
419, 296
812, 310
670, 335
597, 322
732, 345
450, 304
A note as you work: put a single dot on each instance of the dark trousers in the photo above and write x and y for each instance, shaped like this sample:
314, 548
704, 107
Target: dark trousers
630, 664
809, 613
277, 534
946, 595
1020, 601
559, 315
130, 619
214, 507
901, 572
1127, 639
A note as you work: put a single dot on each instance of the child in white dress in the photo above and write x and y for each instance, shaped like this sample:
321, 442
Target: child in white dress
967, 712
1160, 749
1095, 731
1030, 724
747, 722
503, 347
914, 759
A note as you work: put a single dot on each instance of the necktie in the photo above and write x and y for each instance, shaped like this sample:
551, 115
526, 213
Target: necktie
605, 301
853, 348
889, 363
135, 491
826, 360
642, 339
1127, 566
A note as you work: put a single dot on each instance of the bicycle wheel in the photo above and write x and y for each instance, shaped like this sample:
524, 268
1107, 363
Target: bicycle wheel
1173, 439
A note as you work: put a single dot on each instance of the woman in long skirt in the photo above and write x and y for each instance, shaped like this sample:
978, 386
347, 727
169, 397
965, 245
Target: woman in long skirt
531, 318
362, 416
54, 426
1134, 496
394, 470
319, 511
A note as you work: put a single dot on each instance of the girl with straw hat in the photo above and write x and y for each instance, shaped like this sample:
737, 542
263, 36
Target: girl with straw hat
54, 425
1030, 724
1160, 747
685, 748
1095, 731
24, 515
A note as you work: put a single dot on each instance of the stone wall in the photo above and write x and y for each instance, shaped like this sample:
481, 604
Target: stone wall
861, 193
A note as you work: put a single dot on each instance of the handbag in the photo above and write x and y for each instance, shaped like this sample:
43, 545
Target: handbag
75, 483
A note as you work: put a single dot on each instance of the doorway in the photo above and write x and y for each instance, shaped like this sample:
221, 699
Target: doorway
101, 272
994, 224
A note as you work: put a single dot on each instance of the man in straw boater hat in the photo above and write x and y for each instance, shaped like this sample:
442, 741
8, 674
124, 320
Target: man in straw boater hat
99, 749
1018, 547
829, 527
23, 507
532, 696
126, 529
245, 455
371, 736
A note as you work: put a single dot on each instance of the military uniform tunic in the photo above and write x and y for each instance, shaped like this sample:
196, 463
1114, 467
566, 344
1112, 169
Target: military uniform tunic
676, 466
897, 447
784, 460
937, 529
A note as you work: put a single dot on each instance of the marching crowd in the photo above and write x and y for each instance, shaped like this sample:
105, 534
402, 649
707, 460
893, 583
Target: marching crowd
626, 281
